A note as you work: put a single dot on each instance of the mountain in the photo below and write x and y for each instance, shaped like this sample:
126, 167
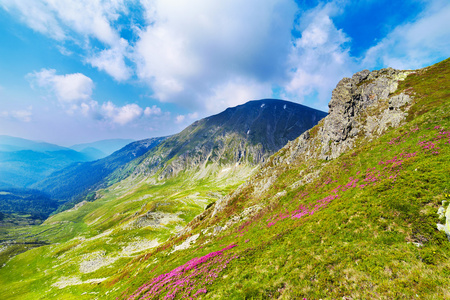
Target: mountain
78, 180
13, 144
101, 149
24, 162
248, 133
356, 207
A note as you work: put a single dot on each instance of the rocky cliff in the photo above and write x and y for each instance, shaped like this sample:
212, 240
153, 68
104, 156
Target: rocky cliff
361, 108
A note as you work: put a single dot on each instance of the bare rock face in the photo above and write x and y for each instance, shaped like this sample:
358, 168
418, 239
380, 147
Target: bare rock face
362, 105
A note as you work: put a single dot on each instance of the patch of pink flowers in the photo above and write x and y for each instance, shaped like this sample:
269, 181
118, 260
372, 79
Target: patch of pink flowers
187, 281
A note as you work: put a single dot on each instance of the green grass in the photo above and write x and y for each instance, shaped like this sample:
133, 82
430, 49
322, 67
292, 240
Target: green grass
360, 245
76, 234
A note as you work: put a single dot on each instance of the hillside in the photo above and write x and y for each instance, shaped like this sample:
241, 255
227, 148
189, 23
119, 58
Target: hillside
142, 211
247, 133
354, 208
78, 180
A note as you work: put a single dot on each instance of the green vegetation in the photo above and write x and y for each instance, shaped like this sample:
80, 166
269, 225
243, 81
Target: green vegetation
98, 238
362, 226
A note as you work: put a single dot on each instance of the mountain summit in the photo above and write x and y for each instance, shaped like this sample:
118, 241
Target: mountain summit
247, 133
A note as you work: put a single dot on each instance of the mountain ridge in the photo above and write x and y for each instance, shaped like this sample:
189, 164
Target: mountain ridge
78, 180
244, 133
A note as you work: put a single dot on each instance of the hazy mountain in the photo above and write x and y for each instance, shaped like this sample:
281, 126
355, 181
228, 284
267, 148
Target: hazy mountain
21, 168
101, 149
12, 144
77, 180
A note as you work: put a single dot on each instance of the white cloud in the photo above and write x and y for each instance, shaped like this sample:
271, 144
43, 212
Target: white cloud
319, 58
112, 61
23, 115
121, 115
186, 119
37, 15
69, 88
74, 94
415, 44
64, 51
78, 21
179, 119
56, 18
193, 50
235, 92
154, 110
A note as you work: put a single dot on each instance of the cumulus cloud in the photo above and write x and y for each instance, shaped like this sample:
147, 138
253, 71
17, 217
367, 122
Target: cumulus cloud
37, 15
112, 61
193, 50
69, 88
415, 44
78, 21
319, 58
74, 94
154, 110
90, 18
121, 115
236, 91
188, 118
179, 119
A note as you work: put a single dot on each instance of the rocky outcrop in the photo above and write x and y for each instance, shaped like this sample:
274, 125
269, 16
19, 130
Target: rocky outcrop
355, 109
361, 107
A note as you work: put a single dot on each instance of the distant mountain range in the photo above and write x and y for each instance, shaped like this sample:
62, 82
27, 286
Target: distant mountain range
24, 162
101, 149
78, 179
13, 144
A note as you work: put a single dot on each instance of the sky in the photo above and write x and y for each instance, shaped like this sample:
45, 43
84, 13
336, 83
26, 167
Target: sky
76, 71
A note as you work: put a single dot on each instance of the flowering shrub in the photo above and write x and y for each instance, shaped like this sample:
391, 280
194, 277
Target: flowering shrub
387, 169
187, 281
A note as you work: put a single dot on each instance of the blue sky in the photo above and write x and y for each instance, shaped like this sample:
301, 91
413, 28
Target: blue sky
74, 71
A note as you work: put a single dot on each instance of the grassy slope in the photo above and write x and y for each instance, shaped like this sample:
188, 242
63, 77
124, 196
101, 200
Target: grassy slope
375, 202
99, 227
358, 243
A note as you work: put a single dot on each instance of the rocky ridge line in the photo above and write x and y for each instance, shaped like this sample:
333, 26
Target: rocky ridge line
361, 107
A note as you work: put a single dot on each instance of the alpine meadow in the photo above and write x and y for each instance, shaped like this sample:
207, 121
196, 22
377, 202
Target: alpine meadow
196, 191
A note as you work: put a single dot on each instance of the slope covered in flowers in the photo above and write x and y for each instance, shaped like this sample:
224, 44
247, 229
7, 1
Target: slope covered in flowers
364, 227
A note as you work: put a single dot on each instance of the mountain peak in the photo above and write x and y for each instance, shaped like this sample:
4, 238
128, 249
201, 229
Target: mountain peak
247, 133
